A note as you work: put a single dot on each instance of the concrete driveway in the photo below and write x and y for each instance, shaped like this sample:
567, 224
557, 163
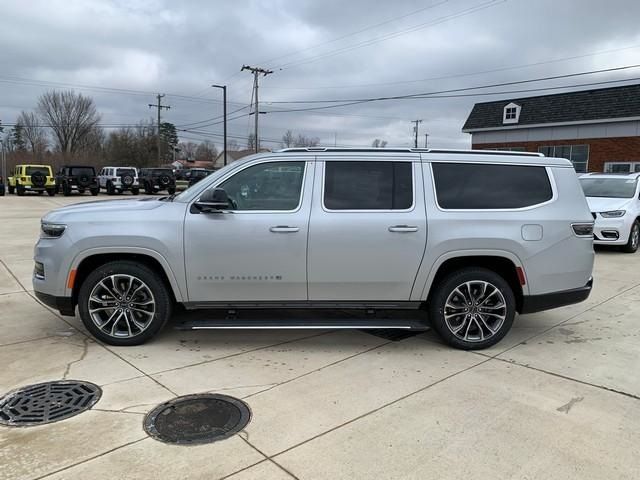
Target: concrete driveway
558, 398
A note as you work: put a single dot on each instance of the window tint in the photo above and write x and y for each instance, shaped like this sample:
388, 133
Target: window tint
368, 185
478, 186
82, 171
32, 170
266, 186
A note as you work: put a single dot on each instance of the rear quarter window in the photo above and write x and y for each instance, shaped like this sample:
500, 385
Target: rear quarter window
473, 186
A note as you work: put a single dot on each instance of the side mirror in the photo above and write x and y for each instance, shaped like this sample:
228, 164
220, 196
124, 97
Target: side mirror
212, 200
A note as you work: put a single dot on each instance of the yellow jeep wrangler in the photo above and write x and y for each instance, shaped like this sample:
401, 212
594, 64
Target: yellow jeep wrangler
32, 178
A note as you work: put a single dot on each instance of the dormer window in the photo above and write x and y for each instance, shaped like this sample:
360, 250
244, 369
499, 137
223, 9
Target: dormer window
511, 113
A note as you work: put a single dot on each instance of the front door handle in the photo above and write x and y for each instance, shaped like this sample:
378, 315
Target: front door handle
283, 229
403, 228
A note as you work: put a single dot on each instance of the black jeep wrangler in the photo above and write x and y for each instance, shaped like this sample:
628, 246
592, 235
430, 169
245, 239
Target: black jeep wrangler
157, 179
77, 177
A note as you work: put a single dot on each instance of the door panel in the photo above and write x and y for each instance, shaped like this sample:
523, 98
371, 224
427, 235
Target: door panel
366, 254
248, 254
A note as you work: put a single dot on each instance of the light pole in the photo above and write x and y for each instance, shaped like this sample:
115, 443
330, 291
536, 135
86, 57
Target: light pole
4, 162
224, 113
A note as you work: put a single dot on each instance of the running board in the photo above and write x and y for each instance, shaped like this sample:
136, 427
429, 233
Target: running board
333, 324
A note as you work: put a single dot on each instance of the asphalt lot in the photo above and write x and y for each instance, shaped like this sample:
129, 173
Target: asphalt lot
557, 398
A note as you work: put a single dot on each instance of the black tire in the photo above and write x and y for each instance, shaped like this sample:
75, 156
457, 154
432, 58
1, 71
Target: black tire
475, 337
171, 190
20, 190
81, 190
66, 189
110, 189
634, 239
147, 188
95, 191
51, 192
40, 192
11, 190
135, 190
1, 190
159, 291
57, 188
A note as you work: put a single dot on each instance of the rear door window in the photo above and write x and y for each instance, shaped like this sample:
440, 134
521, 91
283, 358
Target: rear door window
477, 186
368, 185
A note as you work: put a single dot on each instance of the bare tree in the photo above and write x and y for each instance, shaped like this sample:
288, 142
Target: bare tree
33, 134
288, 139
304, 141
188, 150
233, 145
377, 143
206, 152
71, 116
251, 142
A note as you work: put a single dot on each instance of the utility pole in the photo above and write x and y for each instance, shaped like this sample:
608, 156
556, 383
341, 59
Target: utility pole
224, 114
426, 136
415, 131
256, 72
159, 106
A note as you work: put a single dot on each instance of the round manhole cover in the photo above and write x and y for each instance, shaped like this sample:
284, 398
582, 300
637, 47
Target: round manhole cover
193, 419
47, 402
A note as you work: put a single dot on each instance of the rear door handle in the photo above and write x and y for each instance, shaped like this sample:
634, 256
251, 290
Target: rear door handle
283, 229
403, 228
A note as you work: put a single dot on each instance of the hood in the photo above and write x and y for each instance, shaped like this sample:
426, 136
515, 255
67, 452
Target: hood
102, 206
605, 204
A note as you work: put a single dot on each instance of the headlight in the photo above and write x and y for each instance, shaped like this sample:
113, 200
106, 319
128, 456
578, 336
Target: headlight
613, 214
52, 230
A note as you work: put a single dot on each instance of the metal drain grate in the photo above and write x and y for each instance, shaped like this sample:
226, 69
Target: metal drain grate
195, 419
47, 402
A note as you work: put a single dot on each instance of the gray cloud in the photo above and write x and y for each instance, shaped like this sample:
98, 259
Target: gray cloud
183, 47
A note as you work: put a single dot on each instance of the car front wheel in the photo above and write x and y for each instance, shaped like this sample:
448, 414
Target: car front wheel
124, 303
472, 308
634, 239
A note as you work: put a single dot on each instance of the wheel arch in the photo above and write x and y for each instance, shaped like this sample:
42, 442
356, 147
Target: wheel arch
89, 260
504, 264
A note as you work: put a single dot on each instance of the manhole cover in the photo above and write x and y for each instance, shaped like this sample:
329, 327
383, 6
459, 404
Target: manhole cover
47, 402
193, 419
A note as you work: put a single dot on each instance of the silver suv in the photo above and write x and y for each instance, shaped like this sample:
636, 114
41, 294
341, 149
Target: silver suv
459, 240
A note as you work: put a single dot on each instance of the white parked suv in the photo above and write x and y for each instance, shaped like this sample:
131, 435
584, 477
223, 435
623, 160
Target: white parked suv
614, 200
459, 240
119, 179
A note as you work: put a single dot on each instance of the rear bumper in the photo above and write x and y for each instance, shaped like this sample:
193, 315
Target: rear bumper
547, 301
63, 304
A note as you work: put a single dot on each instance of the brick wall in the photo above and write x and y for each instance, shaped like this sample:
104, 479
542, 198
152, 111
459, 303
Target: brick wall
601, 150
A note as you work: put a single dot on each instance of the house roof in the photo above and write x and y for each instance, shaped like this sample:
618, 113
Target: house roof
581, 106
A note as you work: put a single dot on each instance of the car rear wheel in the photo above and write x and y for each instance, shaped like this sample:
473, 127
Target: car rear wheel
147, 188
472, 308
634, 239
135, 191
124, 303
19, 190
11, 190
51, 192
110, 188
95, 191
171, 190
66, 189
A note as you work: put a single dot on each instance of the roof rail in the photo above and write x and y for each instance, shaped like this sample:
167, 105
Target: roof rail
412, 150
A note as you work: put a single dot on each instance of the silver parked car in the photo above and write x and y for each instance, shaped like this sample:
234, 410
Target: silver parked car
470, 238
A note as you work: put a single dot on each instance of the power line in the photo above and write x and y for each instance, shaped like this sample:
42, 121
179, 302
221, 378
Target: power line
446, 18
493, 85
371, 27
459, 75
256, 71
478, 94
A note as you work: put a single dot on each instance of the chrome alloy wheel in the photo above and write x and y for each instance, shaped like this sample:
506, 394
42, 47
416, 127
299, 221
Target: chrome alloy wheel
475, 311
121, 306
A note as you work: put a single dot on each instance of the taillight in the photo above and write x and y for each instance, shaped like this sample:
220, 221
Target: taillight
583, 229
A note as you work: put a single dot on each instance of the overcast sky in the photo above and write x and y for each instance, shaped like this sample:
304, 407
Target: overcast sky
318, 50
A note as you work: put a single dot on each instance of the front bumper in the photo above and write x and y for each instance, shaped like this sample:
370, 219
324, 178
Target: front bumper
548, 301
64, 305
612, 231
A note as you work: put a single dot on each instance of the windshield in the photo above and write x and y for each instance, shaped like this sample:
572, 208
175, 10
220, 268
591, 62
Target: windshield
77, 171
126, 171
32, 170
609, 187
